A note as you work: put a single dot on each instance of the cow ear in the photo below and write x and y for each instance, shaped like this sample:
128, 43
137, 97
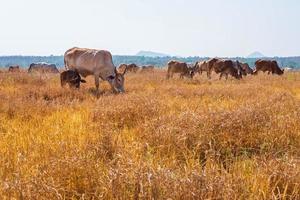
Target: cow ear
124, 71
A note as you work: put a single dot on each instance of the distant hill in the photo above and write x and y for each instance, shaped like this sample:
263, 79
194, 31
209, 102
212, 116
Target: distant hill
151, 54
256, 54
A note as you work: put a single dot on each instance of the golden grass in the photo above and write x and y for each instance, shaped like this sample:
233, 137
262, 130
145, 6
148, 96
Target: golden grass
176, 139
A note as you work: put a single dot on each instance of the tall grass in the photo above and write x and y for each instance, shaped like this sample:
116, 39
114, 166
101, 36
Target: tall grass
162, 139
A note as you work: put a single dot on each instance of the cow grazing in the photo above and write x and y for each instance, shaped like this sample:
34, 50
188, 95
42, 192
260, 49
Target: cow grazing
209, 65
130, 68
241, 72
147, 68
42, 68
225, 67
97, 63
246, 69
72, 78
269, 66
14, 69
201, 67
181, 68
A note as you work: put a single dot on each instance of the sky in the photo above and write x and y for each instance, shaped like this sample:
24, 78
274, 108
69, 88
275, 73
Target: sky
176, 27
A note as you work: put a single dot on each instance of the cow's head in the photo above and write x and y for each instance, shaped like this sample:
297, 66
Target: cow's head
117, 81
75, 82
191, 72
240, 71
247, 69
277, 69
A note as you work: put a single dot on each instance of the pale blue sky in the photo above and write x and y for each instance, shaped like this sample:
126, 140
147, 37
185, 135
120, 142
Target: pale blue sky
176, 27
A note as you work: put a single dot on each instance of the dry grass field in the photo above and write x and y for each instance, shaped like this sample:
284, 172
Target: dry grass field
162, 139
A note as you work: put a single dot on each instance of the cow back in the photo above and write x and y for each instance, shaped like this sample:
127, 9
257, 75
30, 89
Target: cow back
90, 62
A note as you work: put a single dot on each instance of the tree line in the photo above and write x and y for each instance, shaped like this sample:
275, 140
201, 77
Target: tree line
25, 61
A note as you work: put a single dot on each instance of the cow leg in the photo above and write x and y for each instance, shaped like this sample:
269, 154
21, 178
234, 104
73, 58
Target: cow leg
209, 74
97, 81
226, 76
169, 75
220, 76
181, 76
62, 83
273, 72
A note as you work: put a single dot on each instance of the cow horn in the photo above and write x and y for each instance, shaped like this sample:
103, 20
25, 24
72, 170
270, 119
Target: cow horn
116, 71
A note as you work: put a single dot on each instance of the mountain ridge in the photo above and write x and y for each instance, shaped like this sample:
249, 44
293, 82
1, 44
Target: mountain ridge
256, 54
151, 54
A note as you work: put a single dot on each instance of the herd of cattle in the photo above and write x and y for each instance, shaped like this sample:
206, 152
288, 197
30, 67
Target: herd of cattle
82, 62
223, 67
36, 67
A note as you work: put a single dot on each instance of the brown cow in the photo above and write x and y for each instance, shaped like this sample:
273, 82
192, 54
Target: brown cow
241, 71
246, 69
147, 68
269, 66
133, 68
130, 68
207, 66
43, 68
181, 68
225, 67
72, 78
210, 66
202, 67
13, 69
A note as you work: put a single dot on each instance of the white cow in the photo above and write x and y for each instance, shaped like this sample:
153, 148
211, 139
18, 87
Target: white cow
97, 63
